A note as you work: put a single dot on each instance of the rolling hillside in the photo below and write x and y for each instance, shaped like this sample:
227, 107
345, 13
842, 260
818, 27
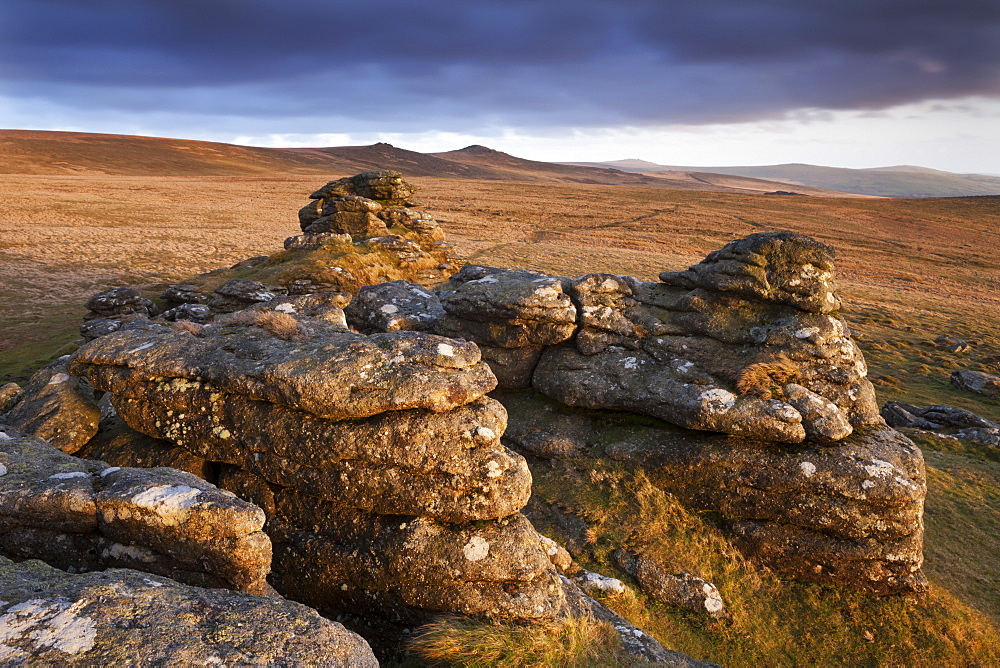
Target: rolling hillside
898, 181
73, 153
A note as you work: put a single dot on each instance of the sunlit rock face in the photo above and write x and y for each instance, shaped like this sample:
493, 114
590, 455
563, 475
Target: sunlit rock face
744, 343
124, 617
84, 515
377, 459
54, 406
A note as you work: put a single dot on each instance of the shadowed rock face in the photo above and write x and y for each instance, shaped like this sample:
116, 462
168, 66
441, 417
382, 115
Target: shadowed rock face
75, 513
850, 514
377, 459
125, 617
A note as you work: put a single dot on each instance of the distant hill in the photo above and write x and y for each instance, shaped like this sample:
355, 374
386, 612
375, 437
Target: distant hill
521, 169
898, 181
41, 152
55, 153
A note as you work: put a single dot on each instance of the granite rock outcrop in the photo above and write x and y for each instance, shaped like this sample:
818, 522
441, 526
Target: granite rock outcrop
746, 342
849, 513
377, 458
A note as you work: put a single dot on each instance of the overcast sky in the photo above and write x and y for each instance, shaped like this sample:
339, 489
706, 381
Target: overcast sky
852, 83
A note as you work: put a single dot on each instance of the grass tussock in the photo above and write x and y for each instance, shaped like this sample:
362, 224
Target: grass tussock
189, 327
464, 642
282, 325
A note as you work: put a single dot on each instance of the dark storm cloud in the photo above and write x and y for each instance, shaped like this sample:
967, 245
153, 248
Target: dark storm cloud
423, 64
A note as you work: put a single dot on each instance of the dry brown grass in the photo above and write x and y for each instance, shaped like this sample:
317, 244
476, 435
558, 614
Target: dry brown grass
463, 642
276, 323
190, 327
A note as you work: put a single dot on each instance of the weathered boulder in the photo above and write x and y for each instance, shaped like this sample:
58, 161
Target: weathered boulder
898, 414
594, 583
123, 617
80, 514
325, 306
976, 381
199, 313
780, 267
334, 375
377, 185
316, 240
952, 344
57, 407
175, 295
989, 437
238, 294
119, 301
933, 418
681, 590
382, 185
507, 308
394, 306
98, 327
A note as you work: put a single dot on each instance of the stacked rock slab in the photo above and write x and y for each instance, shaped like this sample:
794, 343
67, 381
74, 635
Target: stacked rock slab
512, 315
744, 343
373, 210
123, 617
83, 515
377, 459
